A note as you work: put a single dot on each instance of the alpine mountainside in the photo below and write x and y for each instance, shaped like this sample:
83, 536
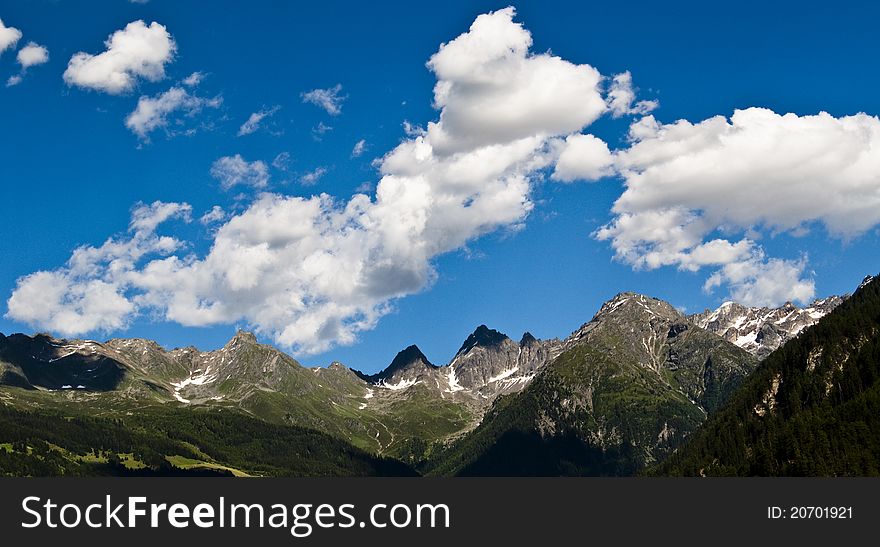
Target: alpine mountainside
402, 412
760, 331
811, 408
625, 391
620, 393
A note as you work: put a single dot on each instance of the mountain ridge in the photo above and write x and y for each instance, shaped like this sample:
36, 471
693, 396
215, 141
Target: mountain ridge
620, 392
761, 330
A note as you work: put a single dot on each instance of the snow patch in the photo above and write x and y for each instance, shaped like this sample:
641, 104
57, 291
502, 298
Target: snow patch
453, 381
402, 384
198, 380
504, 374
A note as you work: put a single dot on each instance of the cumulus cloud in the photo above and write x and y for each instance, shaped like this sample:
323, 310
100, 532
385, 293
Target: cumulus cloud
583, 157
137, 51
30, 55
759, 281
329, 99
89, 293
697, 194
622, 97
359, 148
155, 112
311, 272
235, 170
252, 124
491, 91
312, 177
9, 36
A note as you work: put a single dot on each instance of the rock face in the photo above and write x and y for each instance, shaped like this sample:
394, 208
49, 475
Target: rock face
662, 340
624, 391
760, 331
489, 363
408, 367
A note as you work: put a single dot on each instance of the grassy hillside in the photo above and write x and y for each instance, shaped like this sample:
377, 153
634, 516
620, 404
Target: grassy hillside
167, 441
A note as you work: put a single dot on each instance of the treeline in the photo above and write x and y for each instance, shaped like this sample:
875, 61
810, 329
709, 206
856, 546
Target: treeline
823, 420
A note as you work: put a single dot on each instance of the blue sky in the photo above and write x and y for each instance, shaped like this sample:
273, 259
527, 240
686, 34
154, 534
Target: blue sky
72, 171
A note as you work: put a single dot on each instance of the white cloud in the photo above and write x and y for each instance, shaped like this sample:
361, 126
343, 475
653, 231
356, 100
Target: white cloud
234, 170
621, 97
252, 124
583, 157
312, 272
759, 171
154, 112
329, 99
319, 130
359, 148
32, 54
9, 36
137, 51
215, 215
88, 293
193, 79
412, 130
281, 161
491, 91
761, 282
312, 177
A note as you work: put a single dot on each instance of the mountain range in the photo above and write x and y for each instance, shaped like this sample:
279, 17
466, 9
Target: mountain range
620, 394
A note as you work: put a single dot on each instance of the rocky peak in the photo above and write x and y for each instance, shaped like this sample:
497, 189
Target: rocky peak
628, 311
407, 365
527, 339
408, 356
761, 330
336, 365
866, 281
243, 337
629, 303
483, 336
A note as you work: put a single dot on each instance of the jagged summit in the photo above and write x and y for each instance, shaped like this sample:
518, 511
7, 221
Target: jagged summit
762, 330
630, 301
628, 308
406, 365
865, 281
483, 336
243, 337
412, 354
527, 339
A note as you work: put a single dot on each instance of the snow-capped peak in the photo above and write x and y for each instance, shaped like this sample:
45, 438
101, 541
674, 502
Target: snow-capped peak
762, 330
